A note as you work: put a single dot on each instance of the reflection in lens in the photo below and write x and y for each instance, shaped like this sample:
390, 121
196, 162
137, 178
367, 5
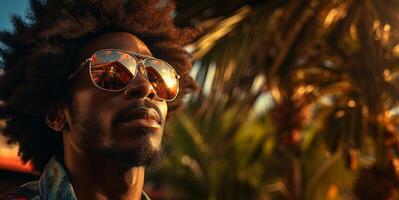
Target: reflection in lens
112, 70
163, 77
158, 83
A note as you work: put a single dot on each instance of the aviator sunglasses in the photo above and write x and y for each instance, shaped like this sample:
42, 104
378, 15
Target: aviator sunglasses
114, 69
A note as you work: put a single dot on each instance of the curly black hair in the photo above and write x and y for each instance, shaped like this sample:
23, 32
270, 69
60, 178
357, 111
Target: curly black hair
41, 52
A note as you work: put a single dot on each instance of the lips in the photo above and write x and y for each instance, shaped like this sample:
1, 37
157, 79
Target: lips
142, 113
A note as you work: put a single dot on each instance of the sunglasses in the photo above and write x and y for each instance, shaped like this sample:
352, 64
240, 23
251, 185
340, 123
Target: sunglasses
114, 69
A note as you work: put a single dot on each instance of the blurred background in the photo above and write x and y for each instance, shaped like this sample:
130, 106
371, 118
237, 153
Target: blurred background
299, 100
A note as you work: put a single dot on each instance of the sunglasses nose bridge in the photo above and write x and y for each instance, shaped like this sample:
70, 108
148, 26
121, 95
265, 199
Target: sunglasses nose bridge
141, 69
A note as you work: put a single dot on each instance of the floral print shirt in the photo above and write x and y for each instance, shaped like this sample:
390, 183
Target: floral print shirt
53, 184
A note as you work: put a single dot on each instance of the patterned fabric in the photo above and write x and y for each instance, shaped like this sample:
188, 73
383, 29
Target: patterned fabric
53, 184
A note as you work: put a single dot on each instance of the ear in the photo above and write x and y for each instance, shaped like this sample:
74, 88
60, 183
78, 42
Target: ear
55, 118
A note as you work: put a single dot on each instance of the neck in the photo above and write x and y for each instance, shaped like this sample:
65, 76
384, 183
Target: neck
96, 178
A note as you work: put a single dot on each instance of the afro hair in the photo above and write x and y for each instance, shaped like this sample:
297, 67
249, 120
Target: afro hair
40, 53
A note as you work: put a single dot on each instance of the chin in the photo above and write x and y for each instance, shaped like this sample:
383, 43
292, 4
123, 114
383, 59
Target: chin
142, 152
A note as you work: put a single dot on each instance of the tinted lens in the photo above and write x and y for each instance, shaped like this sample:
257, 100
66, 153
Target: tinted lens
163, 78
112, 70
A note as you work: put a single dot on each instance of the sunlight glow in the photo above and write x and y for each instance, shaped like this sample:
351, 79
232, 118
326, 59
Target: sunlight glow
208, 41
209, 78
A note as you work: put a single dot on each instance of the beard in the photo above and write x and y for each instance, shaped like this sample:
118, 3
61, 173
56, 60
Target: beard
91, 138
143, 155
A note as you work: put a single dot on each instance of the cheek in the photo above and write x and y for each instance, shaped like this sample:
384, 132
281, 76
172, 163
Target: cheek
91, 122
82, 91
90, 107
81, 104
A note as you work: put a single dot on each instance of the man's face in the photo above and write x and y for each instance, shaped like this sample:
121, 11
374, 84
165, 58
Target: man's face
100, 121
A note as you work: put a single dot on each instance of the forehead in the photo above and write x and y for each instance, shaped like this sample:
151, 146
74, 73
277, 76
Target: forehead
116, 40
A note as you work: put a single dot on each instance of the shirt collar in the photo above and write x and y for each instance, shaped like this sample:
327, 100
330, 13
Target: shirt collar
55, 184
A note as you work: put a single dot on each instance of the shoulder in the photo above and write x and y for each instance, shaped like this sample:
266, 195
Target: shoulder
28, 191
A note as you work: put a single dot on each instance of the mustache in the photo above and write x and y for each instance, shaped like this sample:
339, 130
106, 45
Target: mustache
122, 113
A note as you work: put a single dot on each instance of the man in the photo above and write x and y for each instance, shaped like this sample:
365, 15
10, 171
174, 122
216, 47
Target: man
92, 137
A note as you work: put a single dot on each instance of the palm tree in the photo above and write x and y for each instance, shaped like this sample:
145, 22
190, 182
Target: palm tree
299, 101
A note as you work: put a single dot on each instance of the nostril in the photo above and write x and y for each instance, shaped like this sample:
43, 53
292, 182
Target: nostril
140, 91
151, 95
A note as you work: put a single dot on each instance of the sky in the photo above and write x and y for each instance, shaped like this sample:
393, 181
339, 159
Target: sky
11, 7
8, 8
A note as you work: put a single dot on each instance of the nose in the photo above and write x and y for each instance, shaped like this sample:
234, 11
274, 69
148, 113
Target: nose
140, 87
